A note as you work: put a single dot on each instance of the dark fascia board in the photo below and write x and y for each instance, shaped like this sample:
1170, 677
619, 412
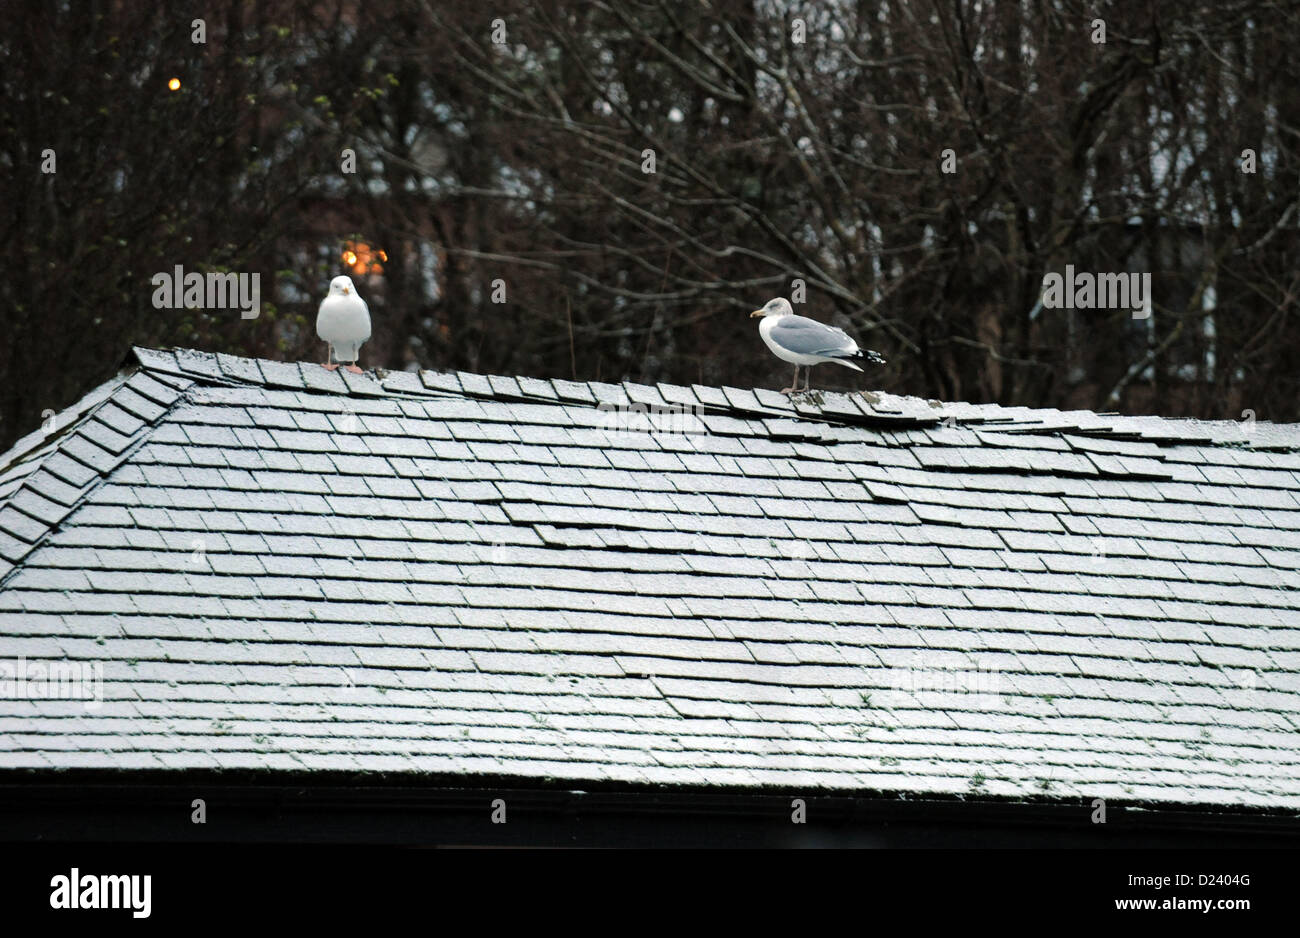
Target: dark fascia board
340, 808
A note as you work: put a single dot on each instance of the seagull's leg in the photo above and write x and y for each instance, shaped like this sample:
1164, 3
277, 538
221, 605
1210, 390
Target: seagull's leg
795, 386
329, 357
354, 369
807, 378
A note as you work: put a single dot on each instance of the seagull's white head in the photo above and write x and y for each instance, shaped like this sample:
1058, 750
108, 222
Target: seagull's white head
777, 307
342, 286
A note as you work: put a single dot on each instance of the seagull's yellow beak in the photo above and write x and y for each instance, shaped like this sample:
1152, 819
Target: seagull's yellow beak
346, 290
756, 313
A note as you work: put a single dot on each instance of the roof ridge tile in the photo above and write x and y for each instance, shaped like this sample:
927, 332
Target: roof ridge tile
862, 408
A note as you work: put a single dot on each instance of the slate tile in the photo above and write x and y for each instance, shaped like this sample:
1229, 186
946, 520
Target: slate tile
119, 420
365, 384
645, 394
164, 387
474, 384
282, 374
203, 364
12, 549
534, 387
447, 382
20, 525
159, 359
72, 472
710, 397
572, 391
772, 400
79, 447
402, 382
504, 386
319, 378
38, 506
238, 369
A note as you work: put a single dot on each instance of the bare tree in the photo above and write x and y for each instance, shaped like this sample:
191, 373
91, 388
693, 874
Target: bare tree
604, 190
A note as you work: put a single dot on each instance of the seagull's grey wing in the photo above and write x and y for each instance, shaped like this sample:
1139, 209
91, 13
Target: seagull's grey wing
805, 336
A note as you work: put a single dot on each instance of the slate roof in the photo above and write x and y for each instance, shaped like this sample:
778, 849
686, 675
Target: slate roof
283, 568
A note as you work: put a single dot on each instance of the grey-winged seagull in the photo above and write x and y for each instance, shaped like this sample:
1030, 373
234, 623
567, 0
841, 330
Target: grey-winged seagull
343, 321
803, 341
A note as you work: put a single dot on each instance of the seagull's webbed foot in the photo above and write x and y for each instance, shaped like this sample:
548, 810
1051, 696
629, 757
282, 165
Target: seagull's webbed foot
789, 391
353, 368
330, 366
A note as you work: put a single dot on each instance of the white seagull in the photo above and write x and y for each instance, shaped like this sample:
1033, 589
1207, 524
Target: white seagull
343, 321
803, 341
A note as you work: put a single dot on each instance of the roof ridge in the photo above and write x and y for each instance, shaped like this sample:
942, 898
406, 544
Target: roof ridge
69, 417
81, 457
878, 409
